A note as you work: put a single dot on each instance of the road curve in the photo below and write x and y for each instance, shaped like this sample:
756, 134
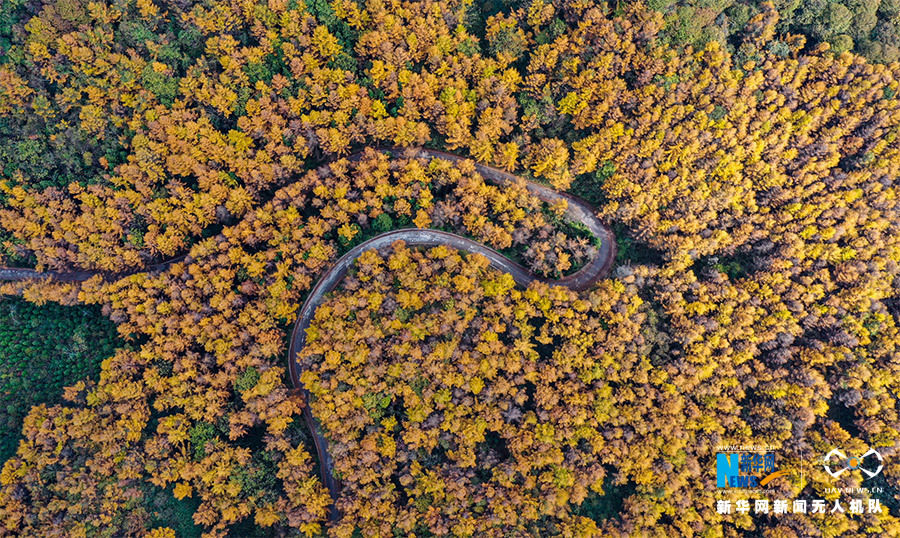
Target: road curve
577, 210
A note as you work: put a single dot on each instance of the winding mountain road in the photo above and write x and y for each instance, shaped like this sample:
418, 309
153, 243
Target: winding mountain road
577, 211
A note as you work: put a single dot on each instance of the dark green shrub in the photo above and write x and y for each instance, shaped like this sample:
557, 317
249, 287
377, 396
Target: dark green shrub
201, 434
247, 380
508, 41
163, 86
383, 223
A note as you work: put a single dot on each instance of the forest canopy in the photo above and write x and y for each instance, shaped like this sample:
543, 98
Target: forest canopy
749, 175
868, 27
43, 348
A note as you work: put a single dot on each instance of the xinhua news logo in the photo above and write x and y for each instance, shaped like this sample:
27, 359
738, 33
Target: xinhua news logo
745, 469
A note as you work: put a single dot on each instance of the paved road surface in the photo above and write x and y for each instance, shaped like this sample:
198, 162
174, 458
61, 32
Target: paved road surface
577, 210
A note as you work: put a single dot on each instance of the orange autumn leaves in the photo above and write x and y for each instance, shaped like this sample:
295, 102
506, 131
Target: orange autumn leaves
757, 299
199, 123
181, 409
428, 382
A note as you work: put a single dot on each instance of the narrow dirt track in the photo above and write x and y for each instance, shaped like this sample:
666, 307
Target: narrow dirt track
577, 210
